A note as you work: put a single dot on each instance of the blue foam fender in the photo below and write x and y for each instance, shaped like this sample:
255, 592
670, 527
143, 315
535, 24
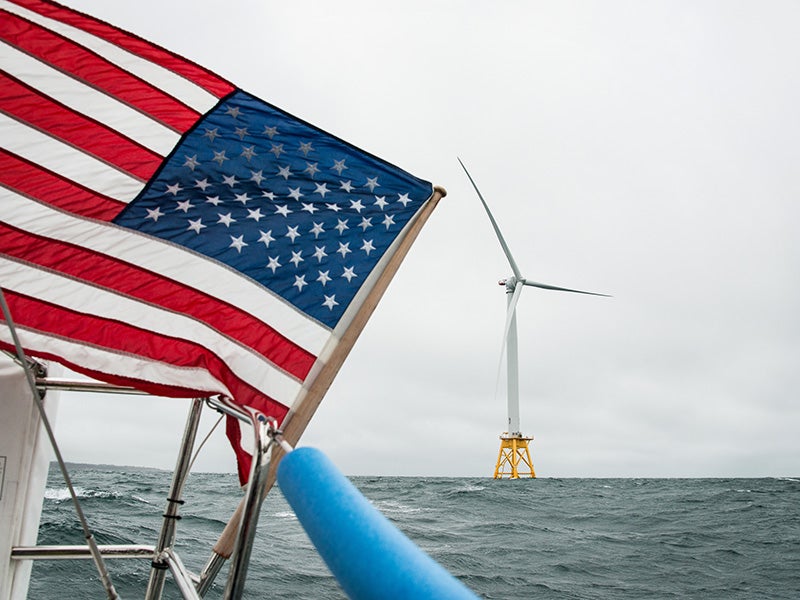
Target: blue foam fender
368, 555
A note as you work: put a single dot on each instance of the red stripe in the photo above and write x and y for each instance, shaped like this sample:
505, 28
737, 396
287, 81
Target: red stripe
135, 282
55, 119
83, 64
36, 182
204, 78
122, 338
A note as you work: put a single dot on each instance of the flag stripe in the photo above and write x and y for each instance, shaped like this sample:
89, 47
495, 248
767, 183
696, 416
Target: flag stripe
67, 161
96, 71
134, 44
175, 85
31, 180
168, 260
105, 344
73, 128
74, 295
88, 101
134, 282
102, 360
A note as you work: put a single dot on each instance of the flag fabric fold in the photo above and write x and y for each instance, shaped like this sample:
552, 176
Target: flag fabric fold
164, 229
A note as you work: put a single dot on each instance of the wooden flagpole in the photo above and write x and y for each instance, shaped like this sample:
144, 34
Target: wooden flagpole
298, 420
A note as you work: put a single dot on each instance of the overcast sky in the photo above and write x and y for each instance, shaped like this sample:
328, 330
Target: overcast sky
647, 150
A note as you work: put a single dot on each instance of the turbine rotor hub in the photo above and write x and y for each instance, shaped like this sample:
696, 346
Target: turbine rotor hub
510, 283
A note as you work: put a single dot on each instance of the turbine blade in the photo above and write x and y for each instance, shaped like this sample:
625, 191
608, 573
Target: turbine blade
546, 286
512, 307
510, 258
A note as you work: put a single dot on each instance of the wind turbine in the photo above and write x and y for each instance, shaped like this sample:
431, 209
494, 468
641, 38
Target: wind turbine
514, 445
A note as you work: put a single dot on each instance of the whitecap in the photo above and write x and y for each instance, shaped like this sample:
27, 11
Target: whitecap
285, 514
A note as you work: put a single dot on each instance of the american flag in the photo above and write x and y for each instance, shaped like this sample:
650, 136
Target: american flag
164, 229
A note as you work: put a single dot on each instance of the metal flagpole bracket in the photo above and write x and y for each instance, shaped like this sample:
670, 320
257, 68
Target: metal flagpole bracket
265, 435
276, 435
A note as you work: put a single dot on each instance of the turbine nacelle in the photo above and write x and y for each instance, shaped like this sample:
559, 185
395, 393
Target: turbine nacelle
510, 283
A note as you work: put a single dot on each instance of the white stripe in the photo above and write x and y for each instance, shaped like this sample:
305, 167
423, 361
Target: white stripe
168, 260
72, 294
88, 101
113, 363
171, 83
66, 160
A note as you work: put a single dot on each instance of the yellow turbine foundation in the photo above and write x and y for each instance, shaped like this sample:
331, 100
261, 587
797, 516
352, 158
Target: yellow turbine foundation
514, 458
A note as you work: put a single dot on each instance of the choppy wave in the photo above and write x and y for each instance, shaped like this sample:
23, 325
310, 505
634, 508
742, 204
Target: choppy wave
61, 494
544, 538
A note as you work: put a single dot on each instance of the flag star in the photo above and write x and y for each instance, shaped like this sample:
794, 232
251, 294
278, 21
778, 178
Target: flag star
257, 176
229, 180
238, 243
219, 157
295, 193
296, 258
299, 282
347, 186
356, 205
284, 172
191, 162
268, 194
324, 277
333, 207
273, 264
248, 152
317, 229
241, 132
213, 200
311, 169
174, 188
211, 134
226, 219
266, 237
243, 198
154, 213
330, 302
388, 221
381, 201
306, 147
319, 253
291, 232
284, 210
184, 206
368, 247
366, 223
233, 111
270, 132
339, 166
196, 225
277, 150
254, 214
404, 200
309, 208
322, 189
372, 183
349, 274
341, 226
202, 184
344, 249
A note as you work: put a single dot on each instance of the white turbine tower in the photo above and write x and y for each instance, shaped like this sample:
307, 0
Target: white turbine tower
514, 445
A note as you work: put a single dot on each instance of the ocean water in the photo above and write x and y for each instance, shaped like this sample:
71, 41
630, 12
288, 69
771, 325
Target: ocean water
543, 538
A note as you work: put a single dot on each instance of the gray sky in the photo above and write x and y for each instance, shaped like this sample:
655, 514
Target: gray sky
647, 150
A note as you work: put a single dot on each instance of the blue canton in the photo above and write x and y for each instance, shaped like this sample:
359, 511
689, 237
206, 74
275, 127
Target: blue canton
297, 210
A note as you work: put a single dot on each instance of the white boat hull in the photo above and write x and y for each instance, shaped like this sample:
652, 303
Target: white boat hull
25, 455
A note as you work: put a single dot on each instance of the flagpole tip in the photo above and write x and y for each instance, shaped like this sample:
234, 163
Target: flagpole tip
441, 191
